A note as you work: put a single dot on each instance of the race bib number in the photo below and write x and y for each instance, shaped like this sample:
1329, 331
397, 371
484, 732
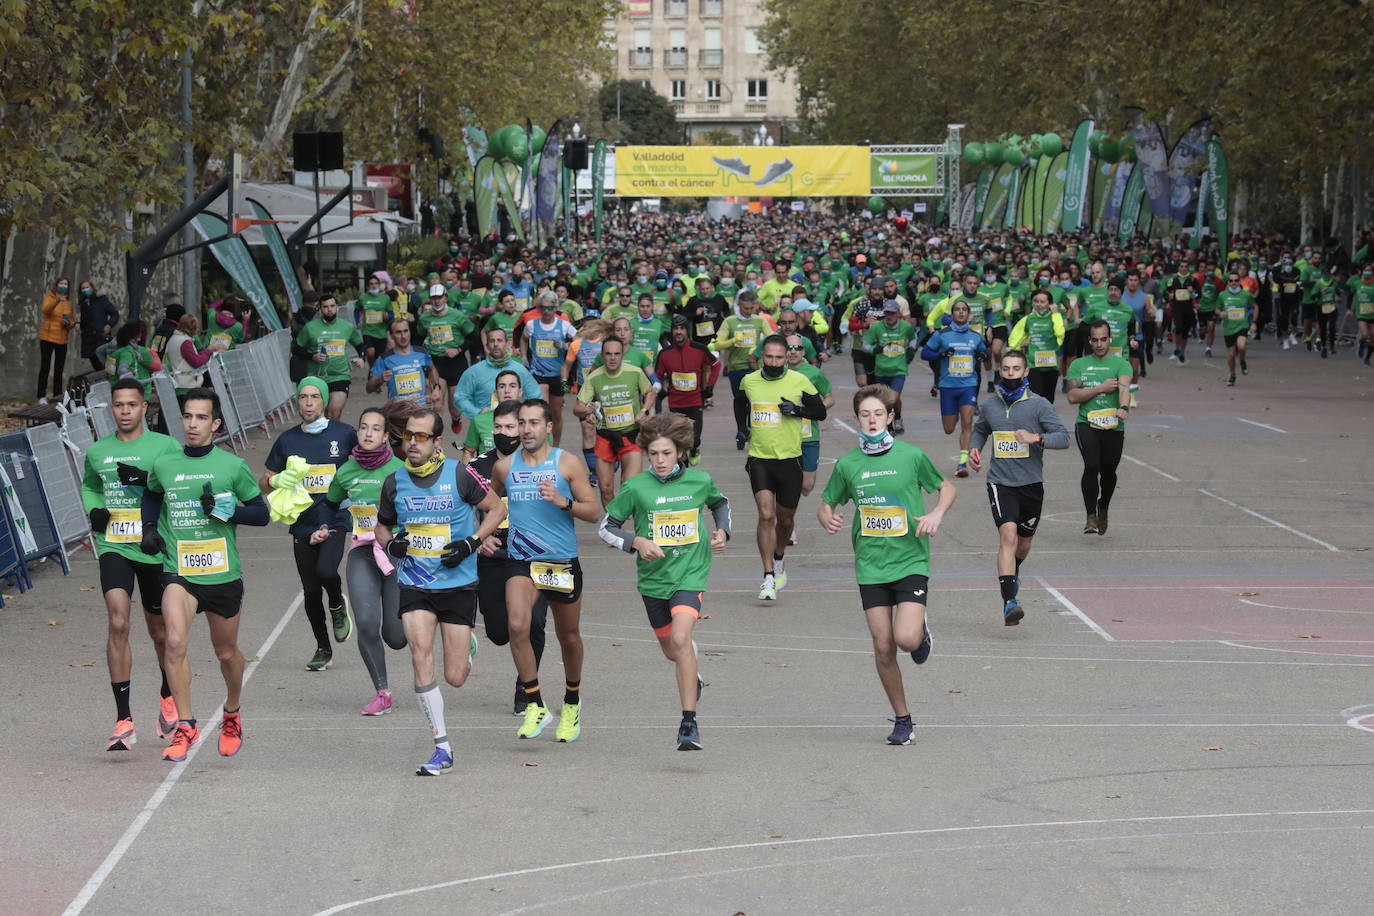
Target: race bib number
317, 478
961, 364
1044, 359
373, 316
1113, 351
202, 558
1290, 287
1235, 314
882, 521
894, 348
545, 349
505, 522
660, 308
675, 529
408, 382
616, 417
748, 337
552, 577
1328, 308
427, 540
364, 518
221, 338
806, 428
765, 416
705, 329
1005, 445
125, 527
1103, 419
684, 381
333, 347
1183, 295
994, 305
441, 334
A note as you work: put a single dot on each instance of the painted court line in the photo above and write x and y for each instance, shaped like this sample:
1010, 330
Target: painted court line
845, 425
1150, 467
1264, 426
164, 789
811, 841
1074, 609
1277, 524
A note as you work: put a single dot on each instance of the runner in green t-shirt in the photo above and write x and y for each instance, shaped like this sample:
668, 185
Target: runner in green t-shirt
620, 397
647, 329
1207, 308
811, 431
736, 340
376, 308
116, 471
324, 341
1362, 300
667, 503
886, 480
1095, 384
197, 498
1237, 314
890, 342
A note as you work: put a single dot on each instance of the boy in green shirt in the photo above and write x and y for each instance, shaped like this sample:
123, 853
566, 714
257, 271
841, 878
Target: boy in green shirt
890, 342
1096, 383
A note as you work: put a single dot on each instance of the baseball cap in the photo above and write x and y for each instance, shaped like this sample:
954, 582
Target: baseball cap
680, 321
891, 306
437, 290
876, 283
661, 275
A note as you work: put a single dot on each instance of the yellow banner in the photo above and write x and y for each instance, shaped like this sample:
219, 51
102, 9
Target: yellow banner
741, 171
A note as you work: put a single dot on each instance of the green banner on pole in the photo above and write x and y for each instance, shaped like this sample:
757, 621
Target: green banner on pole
1014, 198
233, 255
507, 177
277, 246
598, 186
1131, 201
980, 196
1035, 196
485, 195
996, 204
1219, 194
1103, 172
1075, 190
1055, 187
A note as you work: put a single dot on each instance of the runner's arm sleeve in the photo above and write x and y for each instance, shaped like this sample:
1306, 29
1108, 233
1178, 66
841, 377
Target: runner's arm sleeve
1052, 428
933, 347
254, 512
811, 406
614, 535
1018, 335
981, 430
741, 410
92, 488
150, 508
720, 515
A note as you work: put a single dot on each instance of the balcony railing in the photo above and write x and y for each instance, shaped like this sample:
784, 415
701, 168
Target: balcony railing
711, 8
675, 58
675, 8
641, 59
711, 58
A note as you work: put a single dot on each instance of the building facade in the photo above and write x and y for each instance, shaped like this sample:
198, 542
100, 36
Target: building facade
705, 57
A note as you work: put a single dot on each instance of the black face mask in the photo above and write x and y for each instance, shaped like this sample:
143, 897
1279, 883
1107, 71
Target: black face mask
772, 373
506, 445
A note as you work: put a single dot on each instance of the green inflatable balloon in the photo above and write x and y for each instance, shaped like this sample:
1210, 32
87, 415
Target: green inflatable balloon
517, 145
1014, 157
974, 153
1034, 148
1109, 150
995, 154
1095, 142
876, 205
537, 138
496, 144
1051, 145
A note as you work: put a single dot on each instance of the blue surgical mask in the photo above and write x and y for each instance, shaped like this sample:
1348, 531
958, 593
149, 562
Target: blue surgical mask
316, 426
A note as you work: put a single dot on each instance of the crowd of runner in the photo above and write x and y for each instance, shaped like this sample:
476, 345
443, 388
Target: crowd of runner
637, 331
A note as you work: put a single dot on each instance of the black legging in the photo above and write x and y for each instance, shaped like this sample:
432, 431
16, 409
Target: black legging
318, 567
694, 414
54, 356
1044, 382
1101, 451
492, 574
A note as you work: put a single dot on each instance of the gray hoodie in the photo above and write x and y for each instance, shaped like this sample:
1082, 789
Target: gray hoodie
1032, 413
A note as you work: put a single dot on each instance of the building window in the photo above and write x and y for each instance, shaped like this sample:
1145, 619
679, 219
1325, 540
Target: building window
711, 53
751, 41
676, 56
756, 90
711, 7
643, 39
675, 8
713, 90
677, 90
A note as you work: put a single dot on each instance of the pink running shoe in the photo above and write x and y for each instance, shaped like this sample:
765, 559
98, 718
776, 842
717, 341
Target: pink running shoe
380, 706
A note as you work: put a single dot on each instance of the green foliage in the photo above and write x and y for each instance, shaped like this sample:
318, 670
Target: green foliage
645, 116
717, 136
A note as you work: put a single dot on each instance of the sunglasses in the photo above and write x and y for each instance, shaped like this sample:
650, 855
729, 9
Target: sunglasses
793, 347
421, 438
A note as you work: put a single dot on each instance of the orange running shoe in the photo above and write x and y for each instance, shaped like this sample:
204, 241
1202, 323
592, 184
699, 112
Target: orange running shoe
123, 737
166, 717
230, 735
182, 741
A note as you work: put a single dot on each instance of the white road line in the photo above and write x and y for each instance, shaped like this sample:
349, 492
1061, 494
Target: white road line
845, 425
1150, 467
810, 841
1277, 524
1264, 426
150, 808
1074, 609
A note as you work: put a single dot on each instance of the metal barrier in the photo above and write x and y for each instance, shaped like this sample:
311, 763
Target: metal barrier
98, 401
243, 385
233, 427
38, 531
12, 548
60, 482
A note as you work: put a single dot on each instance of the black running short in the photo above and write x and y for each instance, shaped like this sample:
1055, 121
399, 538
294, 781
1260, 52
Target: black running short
451, 605
998, 333
908, 589
343, 386
1232, 338
449, 368
1185, 319
864, 362
1019, 505
225, 600
119, 572
550, 578
555, 383
661, 610
781, 476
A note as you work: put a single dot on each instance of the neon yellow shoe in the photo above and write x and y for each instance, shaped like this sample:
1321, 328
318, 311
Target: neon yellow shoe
569, 722
536, 717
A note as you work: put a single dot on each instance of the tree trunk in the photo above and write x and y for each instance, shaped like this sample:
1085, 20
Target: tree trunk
1308, 215
1336, 203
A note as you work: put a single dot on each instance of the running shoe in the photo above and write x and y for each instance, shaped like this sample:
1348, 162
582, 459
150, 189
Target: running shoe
694, 458
230, 734
934, 392
1207, 352
1244, 369
1231, 382
569, 723
472, 646
123, 738
901, 731
521, 698
457, 427
341, 619
779, 574
710, 402
1323, 351
961, 470
734, 165
1287, 344
536, 717
1012, 613
897, 427
922, 652
688, 736
1181, 360
166, 717
436, 765
1366, 360
1101, 521
769, 590
320, 660
1090, 526
380, 705
183, 739
1308, 341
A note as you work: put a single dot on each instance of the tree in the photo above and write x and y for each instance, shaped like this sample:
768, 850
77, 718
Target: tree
718, 136
643, 116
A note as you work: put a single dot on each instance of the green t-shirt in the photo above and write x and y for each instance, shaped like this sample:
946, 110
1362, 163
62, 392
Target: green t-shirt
1207, 300
977, 309
100, 488
1235, 311
672, 516
376, 313
1092, 299
134, 362
887, 493
996, 294
621, 396
1310, 279
1118, 317
331, 339
501, 319
1100, 411
746, 334
889, 347
771, 435
645, 335
1363, 298
479, 437
446, 331
231, 336
1042, 340
200, 548
360, 489
811, 430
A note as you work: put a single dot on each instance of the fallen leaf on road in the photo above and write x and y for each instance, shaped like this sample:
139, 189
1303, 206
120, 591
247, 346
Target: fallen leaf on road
88, 588
781, 665
953, 691
497, 890
81, 664
772, 836
54, 623
1248, 594
714, 653
251, 658
1117, 620
1216, 747
528, 764
1113, 796
617, 645
1089, 667
705, 616
1308, 636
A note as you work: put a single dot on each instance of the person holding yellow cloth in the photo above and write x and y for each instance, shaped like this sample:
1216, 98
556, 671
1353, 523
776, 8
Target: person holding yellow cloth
323, 445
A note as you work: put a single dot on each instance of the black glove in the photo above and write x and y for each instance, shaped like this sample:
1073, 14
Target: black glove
455, 552
207, 499
152, 543
398, 547
788, 408
947, 353
100, 518
131, 476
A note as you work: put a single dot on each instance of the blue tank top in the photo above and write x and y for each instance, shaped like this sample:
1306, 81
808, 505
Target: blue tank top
587, 353
539, 529
432, 517
547, 346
